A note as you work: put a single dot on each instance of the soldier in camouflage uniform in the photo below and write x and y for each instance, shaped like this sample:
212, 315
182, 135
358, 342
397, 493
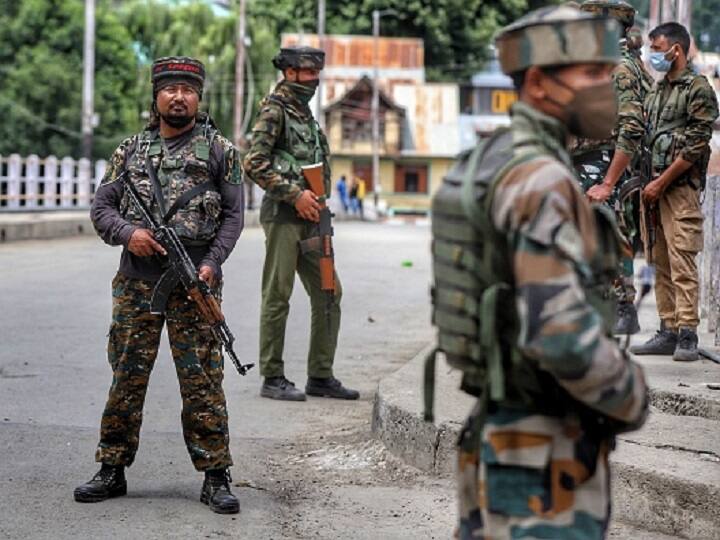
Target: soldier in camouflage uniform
604, 165
553, 386
197, 189
285, 138
680, 113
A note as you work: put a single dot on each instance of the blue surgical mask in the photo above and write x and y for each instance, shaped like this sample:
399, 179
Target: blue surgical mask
659, 62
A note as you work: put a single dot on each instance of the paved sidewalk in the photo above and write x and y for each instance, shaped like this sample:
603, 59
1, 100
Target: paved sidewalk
666, 475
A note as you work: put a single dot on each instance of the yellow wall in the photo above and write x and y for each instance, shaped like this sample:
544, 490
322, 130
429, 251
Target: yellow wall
437, 169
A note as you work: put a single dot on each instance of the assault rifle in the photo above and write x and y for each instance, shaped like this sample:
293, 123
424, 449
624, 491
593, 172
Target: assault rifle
648, 212
182, 270
322, 242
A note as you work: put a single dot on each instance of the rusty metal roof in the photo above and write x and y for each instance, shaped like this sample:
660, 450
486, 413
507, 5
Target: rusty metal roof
341, 50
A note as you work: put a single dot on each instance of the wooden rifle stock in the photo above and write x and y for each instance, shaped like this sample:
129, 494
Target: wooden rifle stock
315, 178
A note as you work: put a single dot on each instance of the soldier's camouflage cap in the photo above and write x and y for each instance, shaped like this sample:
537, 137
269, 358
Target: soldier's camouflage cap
617, 9
174, 69
299, 57
556, 36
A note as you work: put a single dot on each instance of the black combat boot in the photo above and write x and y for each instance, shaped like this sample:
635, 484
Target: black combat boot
627, 319
281, 388
329, 387
108, 482
662, 343
687, 345
216, 492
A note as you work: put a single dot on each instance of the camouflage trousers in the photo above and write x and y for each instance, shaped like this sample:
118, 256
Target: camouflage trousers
133, 344
591, 170
529, 476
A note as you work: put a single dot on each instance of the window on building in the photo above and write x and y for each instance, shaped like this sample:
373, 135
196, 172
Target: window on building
411, 179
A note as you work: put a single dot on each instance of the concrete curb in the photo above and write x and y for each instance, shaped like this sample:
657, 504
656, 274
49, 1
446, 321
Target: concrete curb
44, 225
61, 224
16, 226
666, 477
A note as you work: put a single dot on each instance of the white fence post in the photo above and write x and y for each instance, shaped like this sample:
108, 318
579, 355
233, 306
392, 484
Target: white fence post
50, 182
100, 167
67, 180
13, 181
32, 177
83, 183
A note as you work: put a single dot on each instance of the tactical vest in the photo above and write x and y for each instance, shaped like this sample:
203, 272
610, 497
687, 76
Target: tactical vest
665, 133
473, 294
191, 200
302, 143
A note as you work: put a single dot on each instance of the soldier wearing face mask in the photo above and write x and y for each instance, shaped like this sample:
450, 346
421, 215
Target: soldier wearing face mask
285, 138
522, 264
605, 165
679, 111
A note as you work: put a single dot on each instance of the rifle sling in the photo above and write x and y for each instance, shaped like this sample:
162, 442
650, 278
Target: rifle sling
181, 201
157, 189
185, 198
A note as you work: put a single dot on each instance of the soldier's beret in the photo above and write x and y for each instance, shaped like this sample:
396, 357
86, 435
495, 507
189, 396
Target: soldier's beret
617, 9
173, 69
556, 36
299, 57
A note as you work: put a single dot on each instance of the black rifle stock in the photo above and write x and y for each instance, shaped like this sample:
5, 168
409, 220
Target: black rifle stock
182, 270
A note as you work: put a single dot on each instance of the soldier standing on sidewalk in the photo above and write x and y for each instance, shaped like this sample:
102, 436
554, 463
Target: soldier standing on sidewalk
680, 113
522, 264
189, 157
285, 138
603, 165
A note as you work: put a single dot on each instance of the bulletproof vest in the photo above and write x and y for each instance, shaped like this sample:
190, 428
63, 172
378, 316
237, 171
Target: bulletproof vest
665, 132
302, 143
185, 173
473, 294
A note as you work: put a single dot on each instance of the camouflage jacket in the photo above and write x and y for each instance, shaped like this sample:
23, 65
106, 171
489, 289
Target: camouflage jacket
285, 136
632, 82
550, 242
209, 224
680, 115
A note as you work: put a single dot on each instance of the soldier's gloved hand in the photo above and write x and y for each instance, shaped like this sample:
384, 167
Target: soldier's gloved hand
143, 244
599, 193
207, 274
307, 206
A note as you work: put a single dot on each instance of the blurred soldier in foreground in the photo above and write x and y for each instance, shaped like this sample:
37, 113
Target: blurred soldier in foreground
188, 175
605, 165
680, 112
522, 265
286, 138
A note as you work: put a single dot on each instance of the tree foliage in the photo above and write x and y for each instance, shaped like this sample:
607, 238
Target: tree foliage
41, 43
455, 32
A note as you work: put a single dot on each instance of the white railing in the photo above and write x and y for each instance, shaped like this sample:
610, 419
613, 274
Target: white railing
32, 183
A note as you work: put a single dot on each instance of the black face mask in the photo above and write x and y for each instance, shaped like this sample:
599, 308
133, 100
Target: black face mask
304, 91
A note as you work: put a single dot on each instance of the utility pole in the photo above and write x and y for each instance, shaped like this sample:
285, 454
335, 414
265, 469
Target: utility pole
374, 108
238, 134
684, 13
319, 116
668, 10
375, 105
654, 18
88, 112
